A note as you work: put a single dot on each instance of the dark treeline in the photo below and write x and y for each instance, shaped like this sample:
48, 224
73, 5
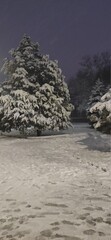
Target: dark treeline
91, 69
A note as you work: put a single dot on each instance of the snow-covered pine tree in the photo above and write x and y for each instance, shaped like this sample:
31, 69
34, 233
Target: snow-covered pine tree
96, 93
100, 113
34, 93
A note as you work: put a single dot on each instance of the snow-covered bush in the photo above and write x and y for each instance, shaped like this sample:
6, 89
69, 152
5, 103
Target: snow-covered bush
34, 94
100, 113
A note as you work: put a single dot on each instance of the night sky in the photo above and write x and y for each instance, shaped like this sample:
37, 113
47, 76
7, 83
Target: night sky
65, 29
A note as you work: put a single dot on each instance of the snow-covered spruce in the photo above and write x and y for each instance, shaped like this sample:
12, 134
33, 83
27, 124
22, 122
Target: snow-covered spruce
34, 94
100, 113
96, 94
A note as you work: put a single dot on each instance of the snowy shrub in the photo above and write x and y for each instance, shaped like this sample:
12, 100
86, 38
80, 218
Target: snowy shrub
34, 94
100, 113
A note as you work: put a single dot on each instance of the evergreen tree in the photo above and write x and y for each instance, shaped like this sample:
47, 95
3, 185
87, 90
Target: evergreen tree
97, 92
34, 94
100, 113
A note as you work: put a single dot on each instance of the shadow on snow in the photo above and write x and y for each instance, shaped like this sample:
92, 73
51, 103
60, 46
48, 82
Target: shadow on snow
94, 140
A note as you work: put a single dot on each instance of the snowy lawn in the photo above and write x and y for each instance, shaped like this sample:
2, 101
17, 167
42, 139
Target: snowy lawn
56, 186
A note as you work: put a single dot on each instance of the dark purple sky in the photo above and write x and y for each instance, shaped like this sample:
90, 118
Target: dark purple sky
65, 29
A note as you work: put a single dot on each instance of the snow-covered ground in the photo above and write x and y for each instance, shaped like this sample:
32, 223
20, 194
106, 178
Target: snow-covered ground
56, 186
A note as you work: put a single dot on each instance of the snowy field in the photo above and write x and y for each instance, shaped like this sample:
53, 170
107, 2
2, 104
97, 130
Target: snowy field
56, 186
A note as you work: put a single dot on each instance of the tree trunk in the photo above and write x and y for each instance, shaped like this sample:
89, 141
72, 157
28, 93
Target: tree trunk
39, 133
23, 132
